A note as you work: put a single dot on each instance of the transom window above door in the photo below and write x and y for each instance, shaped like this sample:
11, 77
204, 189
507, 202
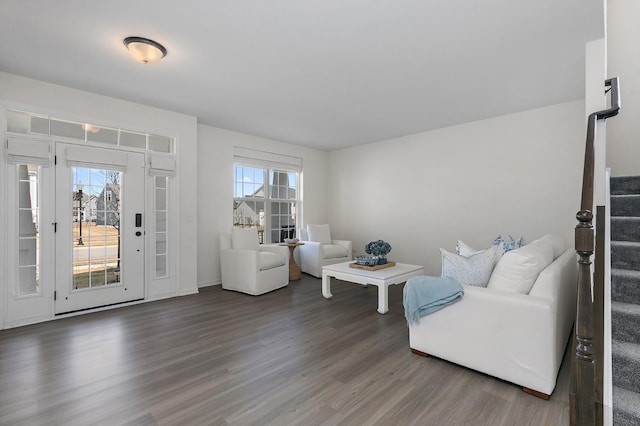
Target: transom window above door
37, 124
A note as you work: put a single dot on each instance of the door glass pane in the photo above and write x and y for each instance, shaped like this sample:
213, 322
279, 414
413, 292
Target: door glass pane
96, 239
28, 226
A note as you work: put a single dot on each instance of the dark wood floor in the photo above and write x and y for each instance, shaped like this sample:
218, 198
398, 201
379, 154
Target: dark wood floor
219, 357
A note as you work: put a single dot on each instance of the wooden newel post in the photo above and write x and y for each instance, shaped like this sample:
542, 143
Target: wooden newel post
584, 362
582, 397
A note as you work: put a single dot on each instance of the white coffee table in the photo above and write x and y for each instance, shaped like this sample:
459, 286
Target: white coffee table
382, 278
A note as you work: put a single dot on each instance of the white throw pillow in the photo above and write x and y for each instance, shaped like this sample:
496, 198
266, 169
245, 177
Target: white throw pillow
474, 270
245, 239
556, 243
518, 269
319, 233
554, 273
465, 250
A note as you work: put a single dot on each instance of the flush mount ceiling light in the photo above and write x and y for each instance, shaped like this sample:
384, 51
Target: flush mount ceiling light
145, 50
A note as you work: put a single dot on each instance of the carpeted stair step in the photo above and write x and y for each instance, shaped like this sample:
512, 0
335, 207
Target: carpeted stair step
625, 228
626, 407
626, 365
625, 205
625, 322
625, 255
625, 286
625, 185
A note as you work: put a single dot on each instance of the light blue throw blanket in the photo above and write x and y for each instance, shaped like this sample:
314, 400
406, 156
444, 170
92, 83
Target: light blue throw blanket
424, 295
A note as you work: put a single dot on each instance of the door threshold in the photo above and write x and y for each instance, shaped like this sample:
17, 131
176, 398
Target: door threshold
99, 308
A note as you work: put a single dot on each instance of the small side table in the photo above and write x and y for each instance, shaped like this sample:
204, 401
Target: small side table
294, 269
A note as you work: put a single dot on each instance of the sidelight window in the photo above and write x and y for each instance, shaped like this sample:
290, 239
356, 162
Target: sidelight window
28, 229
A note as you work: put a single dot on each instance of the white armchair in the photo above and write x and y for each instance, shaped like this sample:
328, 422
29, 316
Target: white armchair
249, 267
320, 250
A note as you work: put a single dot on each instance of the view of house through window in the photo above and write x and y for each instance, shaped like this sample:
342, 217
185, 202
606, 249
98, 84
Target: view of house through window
96, 227
266, 199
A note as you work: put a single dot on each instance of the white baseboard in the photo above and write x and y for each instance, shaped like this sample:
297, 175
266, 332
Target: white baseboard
209, 283
188, 291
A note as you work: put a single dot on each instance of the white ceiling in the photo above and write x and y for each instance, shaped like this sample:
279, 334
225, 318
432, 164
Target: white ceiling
320, 73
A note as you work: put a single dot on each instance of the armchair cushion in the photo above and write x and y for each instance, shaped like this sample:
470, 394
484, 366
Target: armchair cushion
332, 251
269, 260
245, 238
319, 233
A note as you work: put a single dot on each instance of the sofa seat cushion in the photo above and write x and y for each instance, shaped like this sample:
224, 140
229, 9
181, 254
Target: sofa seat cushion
518, 269
332, 251
270, 260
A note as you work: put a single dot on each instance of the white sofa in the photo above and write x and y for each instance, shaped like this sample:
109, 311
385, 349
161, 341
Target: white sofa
520, 338
318, 252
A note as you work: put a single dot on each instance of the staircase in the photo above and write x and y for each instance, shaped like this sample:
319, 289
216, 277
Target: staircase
625, 299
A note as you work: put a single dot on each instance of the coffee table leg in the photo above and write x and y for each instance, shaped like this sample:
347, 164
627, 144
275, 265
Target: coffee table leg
383, 299
326, 285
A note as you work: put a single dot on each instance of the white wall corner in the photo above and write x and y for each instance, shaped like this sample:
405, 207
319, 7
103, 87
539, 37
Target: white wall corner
595, 100
3, 216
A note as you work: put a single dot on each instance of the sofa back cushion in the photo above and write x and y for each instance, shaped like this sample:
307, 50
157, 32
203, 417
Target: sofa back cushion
319, 233
518, 269
245, 238
556, 242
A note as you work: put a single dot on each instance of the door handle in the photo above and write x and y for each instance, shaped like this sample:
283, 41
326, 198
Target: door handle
138, 220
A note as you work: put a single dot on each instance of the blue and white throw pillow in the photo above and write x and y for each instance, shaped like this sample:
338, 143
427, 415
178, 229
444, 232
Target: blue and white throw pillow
474, 270
508, 245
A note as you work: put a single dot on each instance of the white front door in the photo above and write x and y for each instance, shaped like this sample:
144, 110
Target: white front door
100, 233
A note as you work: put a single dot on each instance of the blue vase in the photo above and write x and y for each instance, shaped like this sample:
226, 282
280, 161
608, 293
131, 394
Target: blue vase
382, 259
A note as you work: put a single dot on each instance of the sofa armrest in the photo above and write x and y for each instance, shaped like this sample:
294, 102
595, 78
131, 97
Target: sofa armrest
311, 256
505, 334
310, 251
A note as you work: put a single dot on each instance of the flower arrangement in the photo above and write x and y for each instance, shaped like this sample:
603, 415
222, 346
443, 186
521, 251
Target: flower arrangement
378, 248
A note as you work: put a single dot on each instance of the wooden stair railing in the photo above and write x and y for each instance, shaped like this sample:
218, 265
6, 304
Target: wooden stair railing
583, 398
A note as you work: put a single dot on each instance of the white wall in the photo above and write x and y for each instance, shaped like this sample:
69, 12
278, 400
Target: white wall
519, 174
215, 190
77, 105
623, 131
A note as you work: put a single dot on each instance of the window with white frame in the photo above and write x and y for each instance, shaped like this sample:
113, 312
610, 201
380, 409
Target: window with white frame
29, 229
266, 194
